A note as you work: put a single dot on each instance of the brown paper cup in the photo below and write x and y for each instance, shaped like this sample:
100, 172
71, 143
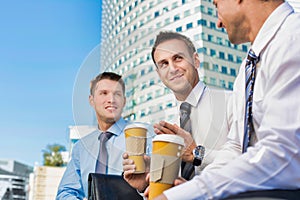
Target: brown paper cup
136, 138
165, 163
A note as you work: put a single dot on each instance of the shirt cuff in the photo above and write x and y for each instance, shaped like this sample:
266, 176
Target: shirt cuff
193, 189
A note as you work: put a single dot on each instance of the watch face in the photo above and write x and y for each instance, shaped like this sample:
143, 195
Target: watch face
199, 152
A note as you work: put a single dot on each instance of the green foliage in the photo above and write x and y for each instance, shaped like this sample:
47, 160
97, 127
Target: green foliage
52, 155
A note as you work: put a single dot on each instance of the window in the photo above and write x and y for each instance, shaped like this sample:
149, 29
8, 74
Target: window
232, 72
144, 85
176, 17
141, 99
227, 42
151, 42
202, 22
213, 52
201, 50
222, 84
244, 47
189, 25
157, 93
230, 85
143, 113
205, 65
215, 67
179, 29
160, 106
167, 21
239, 59
210, 11
158, 25
151, 4
152, 82
230, 57
210, 38
169, 105
222, 55
202, 8
156, 14
197, 9
224, 70
187, 13
174, 5
213, 81
219, 41
212, 25
149, 96
197, 37
150, 69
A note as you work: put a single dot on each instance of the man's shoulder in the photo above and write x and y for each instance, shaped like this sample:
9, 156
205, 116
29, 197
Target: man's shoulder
214, 92
91, 136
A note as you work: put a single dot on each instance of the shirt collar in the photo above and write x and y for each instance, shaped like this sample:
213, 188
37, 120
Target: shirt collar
117, 128
195, 95
270, 27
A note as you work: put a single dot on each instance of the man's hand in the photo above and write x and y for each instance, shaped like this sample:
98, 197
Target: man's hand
137, 181
167, 128
177, 181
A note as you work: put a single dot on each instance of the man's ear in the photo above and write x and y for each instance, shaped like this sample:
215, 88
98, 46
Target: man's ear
157, 71
91, 100
196, 60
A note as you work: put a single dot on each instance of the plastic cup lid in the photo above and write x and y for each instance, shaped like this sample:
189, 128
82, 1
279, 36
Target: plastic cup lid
169, 138
136, 125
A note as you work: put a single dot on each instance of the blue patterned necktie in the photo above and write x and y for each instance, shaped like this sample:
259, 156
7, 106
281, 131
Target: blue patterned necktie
101, 166
187, 169
250, 72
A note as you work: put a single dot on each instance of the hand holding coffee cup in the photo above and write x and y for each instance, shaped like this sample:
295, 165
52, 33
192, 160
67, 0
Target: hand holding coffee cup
136, 139
165, 163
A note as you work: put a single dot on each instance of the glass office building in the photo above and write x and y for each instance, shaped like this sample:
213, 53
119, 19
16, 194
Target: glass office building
128, 33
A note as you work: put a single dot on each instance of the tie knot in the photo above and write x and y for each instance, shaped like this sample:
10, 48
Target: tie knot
185, 108
252, 57
104, 136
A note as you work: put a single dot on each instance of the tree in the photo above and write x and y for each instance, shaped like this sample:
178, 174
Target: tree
52, 155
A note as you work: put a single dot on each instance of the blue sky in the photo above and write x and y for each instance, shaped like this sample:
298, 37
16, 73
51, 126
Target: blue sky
46, 48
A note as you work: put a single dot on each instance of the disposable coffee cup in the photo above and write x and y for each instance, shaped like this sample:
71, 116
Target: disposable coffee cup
165, 163
136, 139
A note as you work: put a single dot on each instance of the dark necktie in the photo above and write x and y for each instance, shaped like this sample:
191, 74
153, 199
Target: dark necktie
187, 169
250, 72
101, 166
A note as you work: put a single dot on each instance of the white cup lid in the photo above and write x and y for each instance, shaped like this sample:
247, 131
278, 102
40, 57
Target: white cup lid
169, 138
137, 125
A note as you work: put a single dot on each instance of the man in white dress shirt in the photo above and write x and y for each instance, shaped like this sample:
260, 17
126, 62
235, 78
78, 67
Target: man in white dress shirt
270, 163
177, 66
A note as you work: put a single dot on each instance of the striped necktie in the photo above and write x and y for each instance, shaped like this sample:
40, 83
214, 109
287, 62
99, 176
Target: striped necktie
101, 166
250, 72
187, 169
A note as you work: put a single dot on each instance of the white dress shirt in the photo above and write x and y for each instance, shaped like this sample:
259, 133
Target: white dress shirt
274, 161
209, 118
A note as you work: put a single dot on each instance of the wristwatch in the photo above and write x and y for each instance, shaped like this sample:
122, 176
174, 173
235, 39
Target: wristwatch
198, 153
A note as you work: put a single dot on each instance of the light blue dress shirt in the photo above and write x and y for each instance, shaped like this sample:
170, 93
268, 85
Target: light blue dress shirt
74, 184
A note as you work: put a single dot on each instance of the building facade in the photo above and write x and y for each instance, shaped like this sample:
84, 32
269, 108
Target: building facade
14, 179
129, 29
44, 182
